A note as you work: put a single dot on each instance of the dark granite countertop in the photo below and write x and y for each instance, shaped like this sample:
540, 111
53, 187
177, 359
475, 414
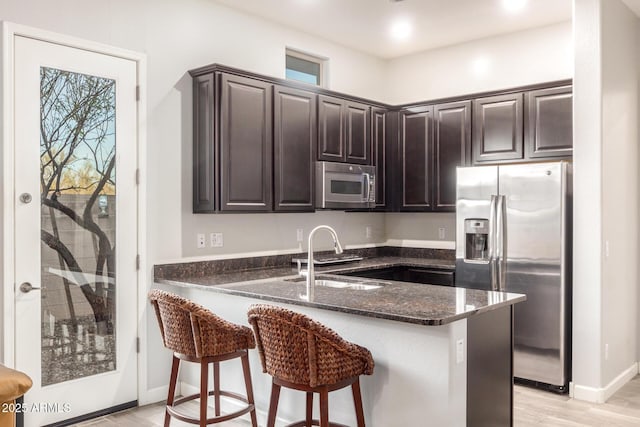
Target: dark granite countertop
274, 278
399, 301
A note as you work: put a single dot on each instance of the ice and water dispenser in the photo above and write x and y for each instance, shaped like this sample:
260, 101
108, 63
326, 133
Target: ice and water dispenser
476, 232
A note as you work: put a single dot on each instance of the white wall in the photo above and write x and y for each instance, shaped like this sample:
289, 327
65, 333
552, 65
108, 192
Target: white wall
526, 57
605, 296
178, 36
516, 59
420, 226
587, 201
277, 232
619, 181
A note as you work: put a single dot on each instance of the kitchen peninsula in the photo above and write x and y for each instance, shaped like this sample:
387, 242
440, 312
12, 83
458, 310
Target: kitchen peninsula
442, 353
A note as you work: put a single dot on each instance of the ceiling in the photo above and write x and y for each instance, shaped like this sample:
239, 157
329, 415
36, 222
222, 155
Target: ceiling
365, 24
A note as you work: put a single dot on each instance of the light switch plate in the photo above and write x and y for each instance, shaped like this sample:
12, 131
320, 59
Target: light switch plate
200, 242
216, 240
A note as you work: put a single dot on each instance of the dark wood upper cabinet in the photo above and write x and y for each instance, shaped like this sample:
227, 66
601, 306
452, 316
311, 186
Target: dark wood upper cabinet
330, 129
343, 131
498, 128
294, 132
205, 165
246, 144
379, 146
451, 148
256, 140
416, 158
549, 122
357, 140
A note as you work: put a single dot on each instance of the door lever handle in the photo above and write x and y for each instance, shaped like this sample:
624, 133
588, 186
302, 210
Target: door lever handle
27, 287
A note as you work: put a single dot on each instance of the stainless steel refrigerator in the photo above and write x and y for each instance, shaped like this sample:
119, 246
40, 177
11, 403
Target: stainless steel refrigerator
513, 234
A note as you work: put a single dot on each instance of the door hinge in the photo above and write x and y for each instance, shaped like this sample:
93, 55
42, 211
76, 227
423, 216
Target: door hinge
137, 344
138, 262
137, 93
137, 176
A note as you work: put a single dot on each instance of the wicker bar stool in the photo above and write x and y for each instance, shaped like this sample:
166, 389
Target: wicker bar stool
197, 335
302, 354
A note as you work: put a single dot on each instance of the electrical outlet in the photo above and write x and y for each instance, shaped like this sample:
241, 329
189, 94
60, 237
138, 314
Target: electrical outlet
441, 233
368, 232
460, 351
299, 235
216, 240
200, 242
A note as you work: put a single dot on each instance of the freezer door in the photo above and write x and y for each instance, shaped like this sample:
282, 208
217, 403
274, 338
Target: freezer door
475, 186
536, 222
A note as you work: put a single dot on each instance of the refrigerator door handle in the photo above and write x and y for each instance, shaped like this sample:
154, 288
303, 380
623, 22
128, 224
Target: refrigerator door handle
492, 243
501, 243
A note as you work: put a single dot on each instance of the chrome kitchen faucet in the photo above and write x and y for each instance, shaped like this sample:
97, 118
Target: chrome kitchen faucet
310, 271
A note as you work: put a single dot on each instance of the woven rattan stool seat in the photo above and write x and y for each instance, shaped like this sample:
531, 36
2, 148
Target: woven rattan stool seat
302, 354
197, 335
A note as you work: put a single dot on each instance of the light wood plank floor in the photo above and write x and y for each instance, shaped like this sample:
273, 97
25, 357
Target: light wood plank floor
532, 408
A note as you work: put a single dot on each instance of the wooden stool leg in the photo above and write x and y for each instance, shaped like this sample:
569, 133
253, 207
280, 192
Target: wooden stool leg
357, 401
204, 392
172, 389
309, 419
249, 386
273, 405
216, 387
324, 407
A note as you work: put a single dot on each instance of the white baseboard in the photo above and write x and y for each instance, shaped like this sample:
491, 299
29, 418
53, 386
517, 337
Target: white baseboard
154, 395
188, 389
600, 395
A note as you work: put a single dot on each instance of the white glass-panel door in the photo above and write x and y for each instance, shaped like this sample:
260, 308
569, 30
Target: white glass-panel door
75, 216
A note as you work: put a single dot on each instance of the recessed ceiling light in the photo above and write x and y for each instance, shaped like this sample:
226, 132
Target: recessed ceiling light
513, 5
401, 29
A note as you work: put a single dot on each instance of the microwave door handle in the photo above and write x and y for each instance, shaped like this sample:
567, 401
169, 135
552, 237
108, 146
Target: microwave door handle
367, 187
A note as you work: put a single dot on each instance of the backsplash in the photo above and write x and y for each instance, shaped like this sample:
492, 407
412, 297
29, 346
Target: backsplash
212, 267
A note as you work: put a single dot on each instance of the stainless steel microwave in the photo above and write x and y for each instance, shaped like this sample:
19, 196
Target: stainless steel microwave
345, 186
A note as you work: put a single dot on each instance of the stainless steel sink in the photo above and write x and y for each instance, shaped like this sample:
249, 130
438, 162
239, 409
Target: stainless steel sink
355, 284
358, 286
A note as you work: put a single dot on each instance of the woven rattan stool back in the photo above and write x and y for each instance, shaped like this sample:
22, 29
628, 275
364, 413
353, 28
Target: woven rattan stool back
297, 349
190, 329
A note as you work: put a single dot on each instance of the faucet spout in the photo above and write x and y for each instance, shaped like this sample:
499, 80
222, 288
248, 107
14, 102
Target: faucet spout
311, 277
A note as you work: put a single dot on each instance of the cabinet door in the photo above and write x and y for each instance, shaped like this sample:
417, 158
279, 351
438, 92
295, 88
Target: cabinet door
330, 129
294, 132
497, 128
205, 172
246, 144
549, 122
357, 130
451, 148
416, 158
379, 144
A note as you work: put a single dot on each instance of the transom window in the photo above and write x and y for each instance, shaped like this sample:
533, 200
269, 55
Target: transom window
305, 68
